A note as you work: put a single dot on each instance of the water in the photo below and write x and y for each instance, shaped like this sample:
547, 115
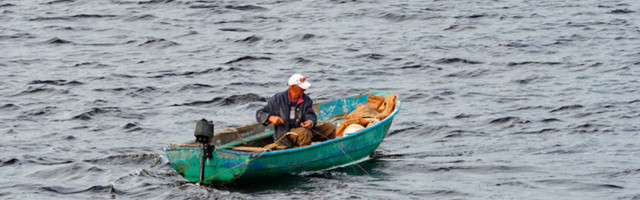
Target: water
501, 99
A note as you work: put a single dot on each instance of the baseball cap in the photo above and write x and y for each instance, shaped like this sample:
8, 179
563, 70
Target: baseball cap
299, 80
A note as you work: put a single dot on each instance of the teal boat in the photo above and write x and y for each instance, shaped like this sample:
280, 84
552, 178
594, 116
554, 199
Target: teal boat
227, 165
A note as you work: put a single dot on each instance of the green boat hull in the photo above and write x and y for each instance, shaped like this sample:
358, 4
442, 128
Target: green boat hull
228, 165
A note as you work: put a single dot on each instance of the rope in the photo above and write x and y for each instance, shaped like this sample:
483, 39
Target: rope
345, 153
245, 162
240, 137
238, 165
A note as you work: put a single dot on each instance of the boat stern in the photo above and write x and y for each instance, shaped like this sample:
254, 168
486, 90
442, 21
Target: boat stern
222, 168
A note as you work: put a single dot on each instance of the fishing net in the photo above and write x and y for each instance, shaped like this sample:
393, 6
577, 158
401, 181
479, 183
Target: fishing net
373, 111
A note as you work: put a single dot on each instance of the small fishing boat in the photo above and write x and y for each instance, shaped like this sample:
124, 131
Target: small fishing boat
223, 164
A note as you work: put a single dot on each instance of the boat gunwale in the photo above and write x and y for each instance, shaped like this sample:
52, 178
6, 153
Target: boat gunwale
328, 142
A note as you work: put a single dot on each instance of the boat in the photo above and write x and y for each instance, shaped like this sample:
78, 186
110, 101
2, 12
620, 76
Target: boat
226, 165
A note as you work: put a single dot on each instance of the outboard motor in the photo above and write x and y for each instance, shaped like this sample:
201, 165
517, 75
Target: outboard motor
204, 134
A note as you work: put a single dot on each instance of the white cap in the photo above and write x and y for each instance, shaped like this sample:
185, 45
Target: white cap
299, 80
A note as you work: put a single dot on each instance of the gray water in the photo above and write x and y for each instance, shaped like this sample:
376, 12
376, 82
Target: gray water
500, 99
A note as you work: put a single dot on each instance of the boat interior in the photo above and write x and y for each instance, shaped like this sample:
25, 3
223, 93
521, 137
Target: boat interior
255, 137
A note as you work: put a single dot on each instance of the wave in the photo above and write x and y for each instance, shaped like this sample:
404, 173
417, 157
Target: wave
96, 189
621, 11
504, 120
141, 17
569, 107
225, 101
191, 73
155, 1
234, 29
475, 16
456, 60
10, 162
38, 90
398, 17
113, 111
9, 107
60, 1
375, 56
468, 73
195, 86
247, 58
626, 172
416, 97
533, 63
459, 28
18, 35
161, 43
203, 6
49, 161
548, 120
301, 60
546, 130
246, 7
56, 82
307, 36
48, 110
73, 17
149, 160
250, 39
56, 40
402, 130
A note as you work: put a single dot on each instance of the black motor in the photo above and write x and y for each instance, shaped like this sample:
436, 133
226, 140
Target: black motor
204, 133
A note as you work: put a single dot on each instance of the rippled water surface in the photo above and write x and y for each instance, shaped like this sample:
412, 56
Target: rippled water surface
501, 99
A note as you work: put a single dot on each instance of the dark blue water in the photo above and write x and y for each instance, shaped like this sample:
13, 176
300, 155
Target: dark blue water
501, 99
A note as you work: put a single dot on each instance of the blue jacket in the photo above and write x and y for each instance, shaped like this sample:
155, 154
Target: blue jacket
278, 105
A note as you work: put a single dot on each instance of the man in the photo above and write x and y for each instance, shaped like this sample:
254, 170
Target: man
291, 111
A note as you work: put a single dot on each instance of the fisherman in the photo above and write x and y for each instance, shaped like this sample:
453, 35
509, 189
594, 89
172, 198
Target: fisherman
292, 114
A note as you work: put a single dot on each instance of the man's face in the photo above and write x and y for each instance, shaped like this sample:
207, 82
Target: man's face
297, 91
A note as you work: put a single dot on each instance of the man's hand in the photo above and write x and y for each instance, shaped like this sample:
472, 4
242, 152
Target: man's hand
275, 120
306, 124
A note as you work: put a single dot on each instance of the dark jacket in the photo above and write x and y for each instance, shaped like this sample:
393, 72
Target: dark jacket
278, 105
